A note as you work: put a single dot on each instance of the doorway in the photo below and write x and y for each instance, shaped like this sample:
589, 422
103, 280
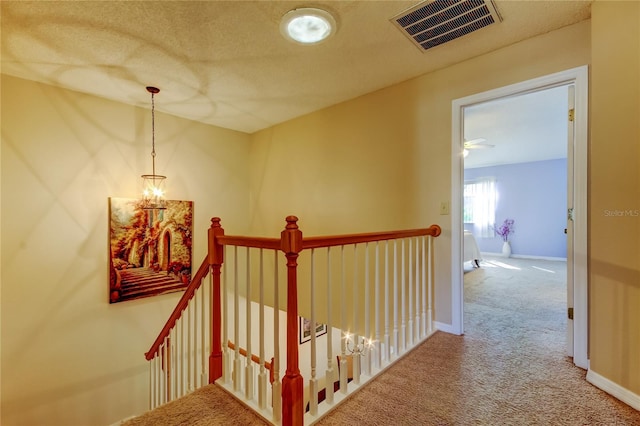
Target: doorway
576, 79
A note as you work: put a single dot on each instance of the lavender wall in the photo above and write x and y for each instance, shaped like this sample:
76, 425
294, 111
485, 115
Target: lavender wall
535, 195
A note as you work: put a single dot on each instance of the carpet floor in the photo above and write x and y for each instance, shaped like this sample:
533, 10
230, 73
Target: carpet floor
509, 368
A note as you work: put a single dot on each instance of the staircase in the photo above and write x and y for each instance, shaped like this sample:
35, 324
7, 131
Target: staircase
209, 405
370, 294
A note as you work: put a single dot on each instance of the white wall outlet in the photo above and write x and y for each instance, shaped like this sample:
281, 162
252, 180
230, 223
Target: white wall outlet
444, 207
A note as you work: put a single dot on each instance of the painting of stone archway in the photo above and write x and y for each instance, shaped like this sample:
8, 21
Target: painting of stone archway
150, 250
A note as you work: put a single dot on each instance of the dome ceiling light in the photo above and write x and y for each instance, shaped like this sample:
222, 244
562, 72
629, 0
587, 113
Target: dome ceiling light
308, 25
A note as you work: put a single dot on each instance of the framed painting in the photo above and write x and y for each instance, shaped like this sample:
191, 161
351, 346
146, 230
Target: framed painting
305, 329
149, 250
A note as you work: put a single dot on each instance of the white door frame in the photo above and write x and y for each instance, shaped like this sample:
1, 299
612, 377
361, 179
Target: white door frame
579, 78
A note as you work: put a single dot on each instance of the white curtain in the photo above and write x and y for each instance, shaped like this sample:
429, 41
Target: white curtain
480, 197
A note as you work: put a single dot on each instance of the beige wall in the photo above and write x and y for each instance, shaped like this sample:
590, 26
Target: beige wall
68, 357
615, 186
383, 161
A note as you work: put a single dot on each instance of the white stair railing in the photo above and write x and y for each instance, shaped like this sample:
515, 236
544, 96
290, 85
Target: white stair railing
180, 364
252, 324
400, 290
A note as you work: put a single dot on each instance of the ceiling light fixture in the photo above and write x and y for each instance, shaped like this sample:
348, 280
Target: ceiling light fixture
308, 25
153, 192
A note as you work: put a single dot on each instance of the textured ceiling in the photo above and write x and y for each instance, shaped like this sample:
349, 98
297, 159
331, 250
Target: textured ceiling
518, 129
226, 63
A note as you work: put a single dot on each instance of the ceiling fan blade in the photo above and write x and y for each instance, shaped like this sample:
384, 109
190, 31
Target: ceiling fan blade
480, 146
478, 143
474, 141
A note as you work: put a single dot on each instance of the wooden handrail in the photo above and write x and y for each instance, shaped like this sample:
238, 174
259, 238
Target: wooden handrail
253, 242
177, 311
254, 358
327, 241
339, 240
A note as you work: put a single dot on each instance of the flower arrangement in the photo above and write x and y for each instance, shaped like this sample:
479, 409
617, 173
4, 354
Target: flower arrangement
505, 229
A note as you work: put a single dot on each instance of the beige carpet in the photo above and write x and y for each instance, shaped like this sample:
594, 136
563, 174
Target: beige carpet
508, 369
207, 406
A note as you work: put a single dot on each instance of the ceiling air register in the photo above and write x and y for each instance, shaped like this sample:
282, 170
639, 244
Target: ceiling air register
432, 23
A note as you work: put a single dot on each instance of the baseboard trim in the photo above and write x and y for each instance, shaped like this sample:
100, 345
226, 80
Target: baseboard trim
121, 422
614, 389
526, 256
447, 328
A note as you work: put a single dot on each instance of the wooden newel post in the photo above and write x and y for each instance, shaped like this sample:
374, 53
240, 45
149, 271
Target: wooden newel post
292, 395
216, 259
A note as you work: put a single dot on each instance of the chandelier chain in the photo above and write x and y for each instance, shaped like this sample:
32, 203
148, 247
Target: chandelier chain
153, 133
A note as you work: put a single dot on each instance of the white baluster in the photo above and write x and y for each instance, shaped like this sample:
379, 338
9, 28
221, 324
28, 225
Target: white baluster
262, 377
430, 284
343, 325
396, 343
161, 376
236, 325
183, 357
203, 326
193, 351
157, 371
376, 315
423, 259
367, 324
175, 393
410, 290
151, 384
356, 312
170, 366
248, 390
171, 376
157, 380
417, 300
224, 298
167, 374
387, 343
403, 326
276, 386
177, 358
313, 382
329, 374
186, 353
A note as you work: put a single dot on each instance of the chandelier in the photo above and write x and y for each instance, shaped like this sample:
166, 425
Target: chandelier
153, 197
358, 348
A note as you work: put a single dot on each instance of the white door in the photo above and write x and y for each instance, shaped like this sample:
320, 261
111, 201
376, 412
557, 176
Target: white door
569, 230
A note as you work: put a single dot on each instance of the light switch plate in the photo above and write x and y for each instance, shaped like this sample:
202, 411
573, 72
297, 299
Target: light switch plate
444, 207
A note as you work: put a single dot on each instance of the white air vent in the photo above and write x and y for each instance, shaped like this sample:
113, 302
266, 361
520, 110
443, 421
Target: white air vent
434, 22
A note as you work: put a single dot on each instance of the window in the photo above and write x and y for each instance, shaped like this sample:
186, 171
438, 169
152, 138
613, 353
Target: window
480, 205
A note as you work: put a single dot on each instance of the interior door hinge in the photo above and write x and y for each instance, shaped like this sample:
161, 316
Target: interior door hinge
570, 214
570, 313
572, 113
